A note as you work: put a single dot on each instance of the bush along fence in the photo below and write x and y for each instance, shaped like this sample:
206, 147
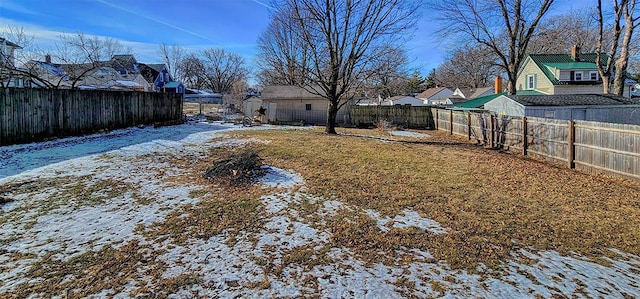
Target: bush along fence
28, 114
595, 147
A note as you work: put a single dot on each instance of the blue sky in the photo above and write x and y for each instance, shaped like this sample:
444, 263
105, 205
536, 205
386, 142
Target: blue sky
194, 24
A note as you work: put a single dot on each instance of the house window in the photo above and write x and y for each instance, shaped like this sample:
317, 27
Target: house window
593, 76
307, 107
531, 81
577, 76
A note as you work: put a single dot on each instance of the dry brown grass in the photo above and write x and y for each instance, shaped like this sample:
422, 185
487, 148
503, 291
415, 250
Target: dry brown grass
493, 202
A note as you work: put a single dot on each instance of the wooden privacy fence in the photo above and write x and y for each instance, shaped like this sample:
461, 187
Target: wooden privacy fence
590, 146
28, 114
405, 116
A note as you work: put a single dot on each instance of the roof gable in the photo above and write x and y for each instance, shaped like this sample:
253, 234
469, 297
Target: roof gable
427, 94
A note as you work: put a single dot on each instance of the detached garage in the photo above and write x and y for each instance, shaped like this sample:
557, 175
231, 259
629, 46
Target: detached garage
589, 107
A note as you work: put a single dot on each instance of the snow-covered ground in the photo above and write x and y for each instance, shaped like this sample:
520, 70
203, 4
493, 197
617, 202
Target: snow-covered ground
128, 178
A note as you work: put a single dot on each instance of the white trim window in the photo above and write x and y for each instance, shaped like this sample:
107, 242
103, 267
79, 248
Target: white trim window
577, 76
531, 82
593, 76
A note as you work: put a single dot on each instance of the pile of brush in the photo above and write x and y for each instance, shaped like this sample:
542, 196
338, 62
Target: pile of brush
237, 169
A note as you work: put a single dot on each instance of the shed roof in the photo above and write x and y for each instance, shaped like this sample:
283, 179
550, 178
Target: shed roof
285, 92
572, 100
478, 102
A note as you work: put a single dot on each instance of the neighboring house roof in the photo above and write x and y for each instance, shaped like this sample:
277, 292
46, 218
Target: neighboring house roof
9, 43
427, 94
572, 100
289, 92
479, 92
478, 102
563, 61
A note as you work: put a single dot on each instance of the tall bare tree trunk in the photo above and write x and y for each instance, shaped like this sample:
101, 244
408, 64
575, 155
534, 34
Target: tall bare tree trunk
332, 113
606, 69
623, 60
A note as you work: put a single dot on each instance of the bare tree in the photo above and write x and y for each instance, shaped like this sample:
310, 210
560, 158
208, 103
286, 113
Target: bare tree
471, 66
622, 62
560, 33
222, 69
386, 76
342, 38
282, 60
192, 70
237, 93
80, 54
14, 64
172, 57
504, 26
605, 68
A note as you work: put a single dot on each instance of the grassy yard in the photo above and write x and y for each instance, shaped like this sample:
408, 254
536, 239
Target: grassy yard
493, 202
143, 221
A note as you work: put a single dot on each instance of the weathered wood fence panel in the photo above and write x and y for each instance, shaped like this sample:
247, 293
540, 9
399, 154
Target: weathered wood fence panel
606, 147
509, 134
548, 138
28, 114
480, 128
590, 146
405, 116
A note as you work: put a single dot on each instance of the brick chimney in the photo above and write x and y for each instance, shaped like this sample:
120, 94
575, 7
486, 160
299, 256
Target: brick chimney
575, 53
497, 86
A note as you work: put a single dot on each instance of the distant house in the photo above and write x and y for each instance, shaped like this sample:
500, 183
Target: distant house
406, 100
435, 96
121, 72
296, 104
7, 53
551, 74
9, 76
590, 107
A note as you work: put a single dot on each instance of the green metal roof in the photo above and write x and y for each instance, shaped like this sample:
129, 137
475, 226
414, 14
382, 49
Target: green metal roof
478, 102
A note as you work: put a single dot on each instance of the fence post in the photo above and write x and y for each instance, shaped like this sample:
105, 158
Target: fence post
524, 136
493, 132
437, 113
572, 137
469, 125
450, 122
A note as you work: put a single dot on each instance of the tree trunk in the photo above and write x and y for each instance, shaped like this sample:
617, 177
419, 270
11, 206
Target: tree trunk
332, 113
623, 60
605, 83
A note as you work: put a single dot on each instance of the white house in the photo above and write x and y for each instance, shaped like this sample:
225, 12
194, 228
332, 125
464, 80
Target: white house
407, 100
435, 96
